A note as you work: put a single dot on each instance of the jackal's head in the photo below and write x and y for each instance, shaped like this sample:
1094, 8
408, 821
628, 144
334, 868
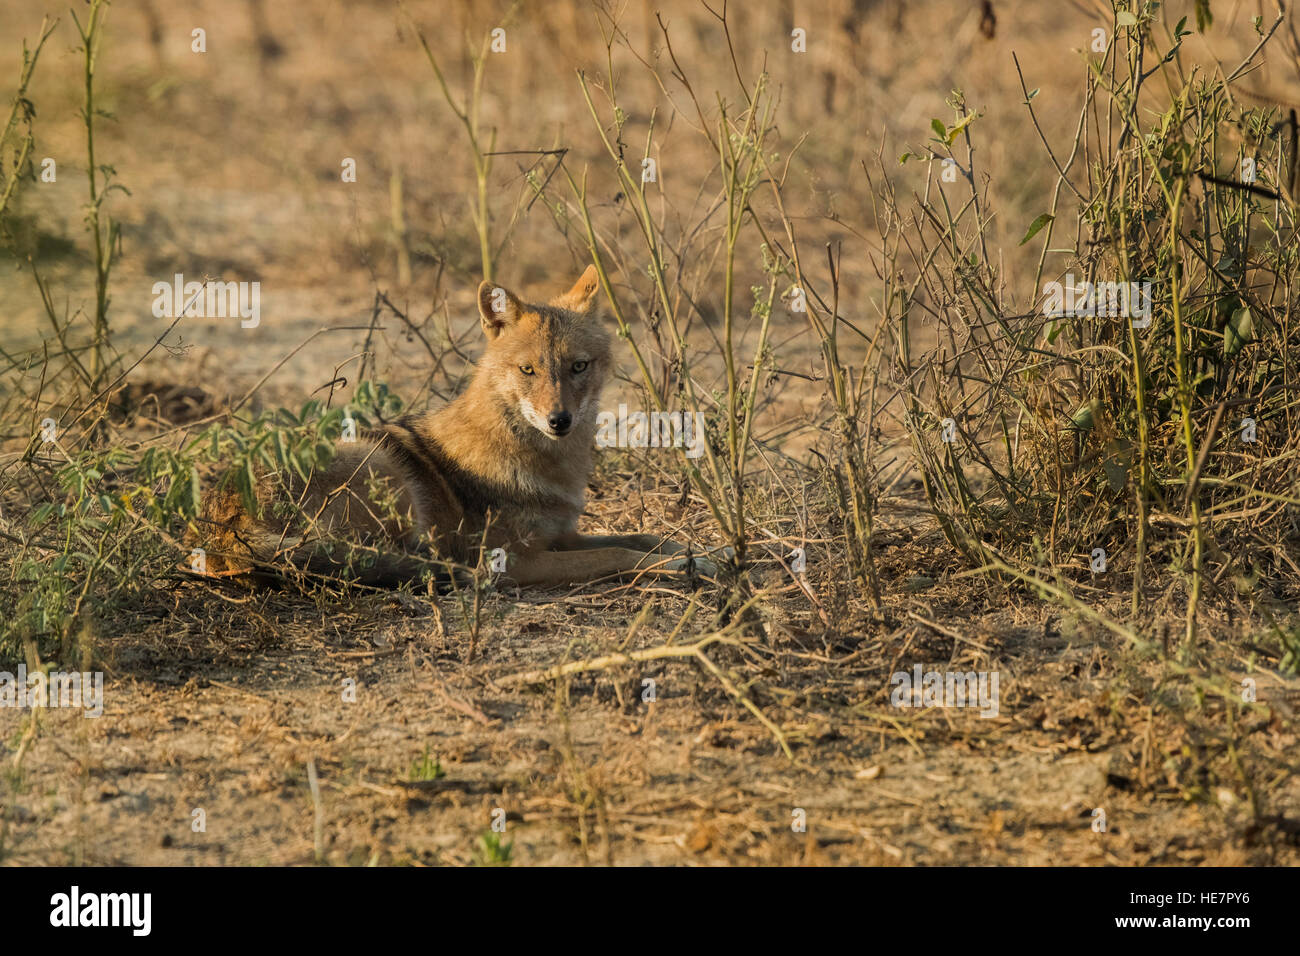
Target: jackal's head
549, 362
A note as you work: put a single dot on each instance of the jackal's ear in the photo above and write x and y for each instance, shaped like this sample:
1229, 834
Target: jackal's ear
497, 308
583, 293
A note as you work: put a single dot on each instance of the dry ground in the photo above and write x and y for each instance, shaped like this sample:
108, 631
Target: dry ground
219, 702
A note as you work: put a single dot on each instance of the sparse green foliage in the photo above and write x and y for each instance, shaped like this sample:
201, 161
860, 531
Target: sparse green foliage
1075, 428
17, 137
489, 850
426, 768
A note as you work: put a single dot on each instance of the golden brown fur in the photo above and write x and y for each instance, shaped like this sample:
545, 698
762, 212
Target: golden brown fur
499, 467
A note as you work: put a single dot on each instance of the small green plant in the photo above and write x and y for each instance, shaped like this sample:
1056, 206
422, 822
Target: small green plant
103, 228
426, 768
490, 851
16, 136
482, 142
1290, 663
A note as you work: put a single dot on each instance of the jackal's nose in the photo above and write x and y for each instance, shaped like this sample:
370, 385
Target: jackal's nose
560, 422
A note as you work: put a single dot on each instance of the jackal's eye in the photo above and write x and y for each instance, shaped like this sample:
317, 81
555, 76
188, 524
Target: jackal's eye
580, 366
526, 369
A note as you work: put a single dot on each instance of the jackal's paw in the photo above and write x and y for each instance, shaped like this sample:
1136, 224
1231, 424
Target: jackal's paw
704, 567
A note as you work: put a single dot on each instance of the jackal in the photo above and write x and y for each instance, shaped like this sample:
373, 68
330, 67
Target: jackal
505, 465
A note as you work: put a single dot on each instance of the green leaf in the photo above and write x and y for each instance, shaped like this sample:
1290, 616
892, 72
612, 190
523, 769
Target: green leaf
1239, 330
1036, 226
1125, 19
939, 129
302, 462
1085, 417
1116, 465
246, 482
961, 125
1204, 18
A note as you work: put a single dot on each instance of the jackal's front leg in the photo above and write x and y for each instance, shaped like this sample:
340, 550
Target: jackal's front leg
645, 543
590, 564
